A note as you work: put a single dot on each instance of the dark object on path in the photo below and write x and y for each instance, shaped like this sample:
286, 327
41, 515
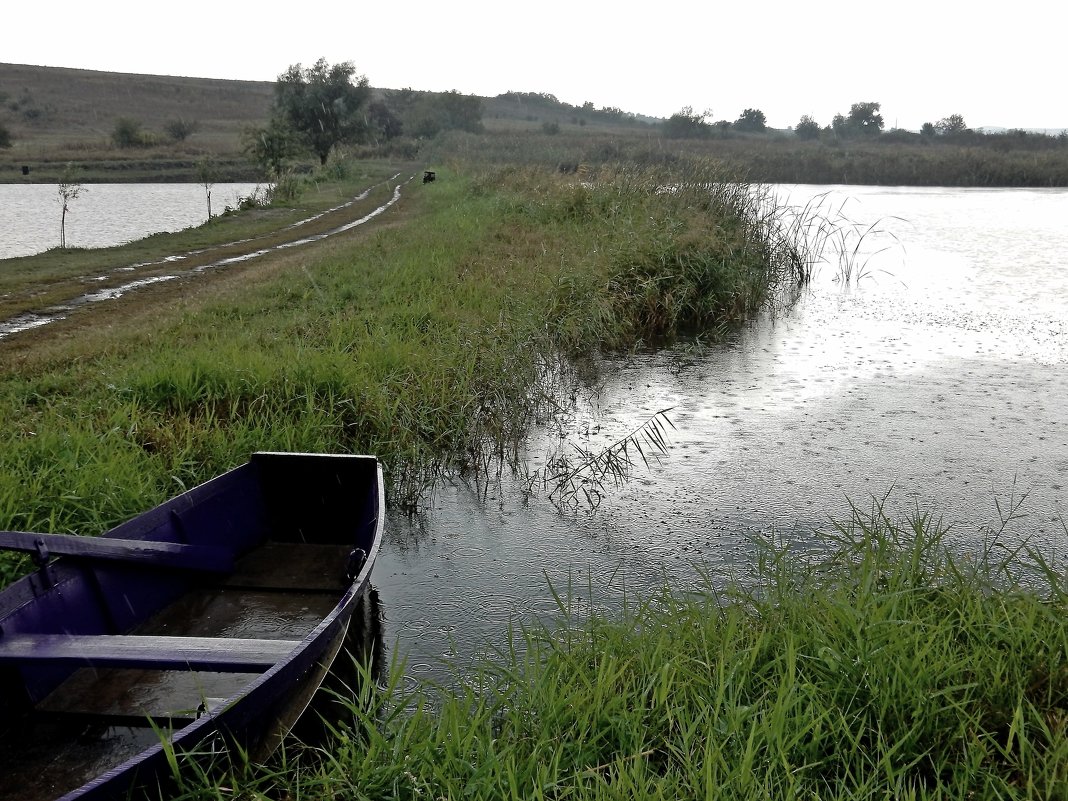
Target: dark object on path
429, 176
208, 622
25, 169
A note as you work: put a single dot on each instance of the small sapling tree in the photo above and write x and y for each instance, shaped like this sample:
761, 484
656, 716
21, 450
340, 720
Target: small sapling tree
69, 189
207, 175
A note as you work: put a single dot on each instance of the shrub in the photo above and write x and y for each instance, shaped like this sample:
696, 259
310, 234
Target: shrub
128, 133
180, 129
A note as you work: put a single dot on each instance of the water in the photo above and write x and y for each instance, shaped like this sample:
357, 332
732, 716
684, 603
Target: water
104, 214
939, 382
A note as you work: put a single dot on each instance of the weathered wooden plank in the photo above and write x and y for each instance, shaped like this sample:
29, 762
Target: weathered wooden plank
147, 552
151, 652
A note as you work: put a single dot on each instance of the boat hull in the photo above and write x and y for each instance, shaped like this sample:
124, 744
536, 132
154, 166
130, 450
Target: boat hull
286, 519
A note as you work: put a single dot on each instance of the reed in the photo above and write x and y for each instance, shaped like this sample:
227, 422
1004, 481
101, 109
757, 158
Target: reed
870, 663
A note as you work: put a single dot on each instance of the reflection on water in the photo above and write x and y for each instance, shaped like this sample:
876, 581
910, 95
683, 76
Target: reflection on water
939, 379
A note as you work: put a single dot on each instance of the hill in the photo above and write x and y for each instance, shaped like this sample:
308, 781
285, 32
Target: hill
59, 115
49, 105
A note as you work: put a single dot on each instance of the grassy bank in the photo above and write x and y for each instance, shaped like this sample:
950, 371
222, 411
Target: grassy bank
871, 664
422, 342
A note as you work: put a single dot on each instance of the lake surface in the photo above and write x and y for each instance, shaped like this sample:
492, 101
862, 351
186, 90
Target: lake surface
938, 381
104, 214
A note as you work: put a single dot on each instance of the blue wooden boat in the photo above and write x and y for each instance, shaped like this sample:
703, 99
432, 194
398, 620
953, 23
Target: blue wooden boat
204, 624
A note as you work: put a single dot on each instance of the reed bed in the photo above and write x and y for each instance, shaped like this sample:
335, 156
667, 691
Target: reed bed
999, 162
870, 663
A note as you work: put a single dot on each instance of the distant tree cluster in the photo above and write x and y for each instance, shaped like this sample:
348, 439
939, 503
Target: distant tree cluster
951, 126
323, 106
426, 114
688, 124
543, 103
864, 122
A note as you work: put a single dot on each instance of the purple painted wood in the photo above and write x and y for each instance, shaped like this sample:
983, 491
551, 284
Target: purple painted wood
227, 654
146, 552
280, 499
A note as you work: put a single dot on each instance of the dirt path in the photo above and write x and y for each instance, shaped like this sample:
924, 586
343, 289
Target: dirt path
79, 295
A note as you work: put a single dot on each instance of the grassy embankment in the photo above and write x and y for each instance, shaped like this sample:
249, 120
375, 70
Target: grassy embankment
884, 668
422, 343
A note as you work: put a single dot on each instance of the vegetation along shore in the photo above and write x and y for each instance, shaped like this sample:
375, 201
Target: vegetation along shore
878, 664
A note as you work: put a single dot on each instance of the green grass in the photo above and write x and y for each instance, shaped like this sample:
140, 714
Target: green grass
871, 663
423, 343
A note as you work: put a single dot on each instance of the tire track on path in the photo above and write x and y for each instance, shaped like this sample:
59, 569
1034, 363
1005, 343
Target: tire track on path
30, 320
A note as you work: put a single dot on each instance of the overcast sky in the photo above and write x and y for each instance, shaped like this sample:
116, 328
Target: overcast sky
1002, 65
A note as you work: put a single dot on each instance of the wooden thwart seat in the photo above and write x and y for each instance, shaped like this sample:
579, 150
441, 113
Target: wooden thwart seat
222, 654
144, 552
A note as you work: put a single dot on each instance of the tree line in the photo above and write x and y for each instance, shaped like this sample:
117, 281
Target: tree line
864, 122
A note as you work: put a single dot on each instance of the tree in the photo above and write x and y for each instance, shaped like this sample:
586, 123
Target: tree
927, 130
752, 120
384, 124
323, 104
69, 189
807, 128
426, 114
5, 137
687, 124
864, 119
271, 146
953, 124
207, 175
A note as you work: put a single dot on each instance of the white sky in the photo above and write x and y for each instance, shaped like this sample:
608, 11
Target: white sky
997, 65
